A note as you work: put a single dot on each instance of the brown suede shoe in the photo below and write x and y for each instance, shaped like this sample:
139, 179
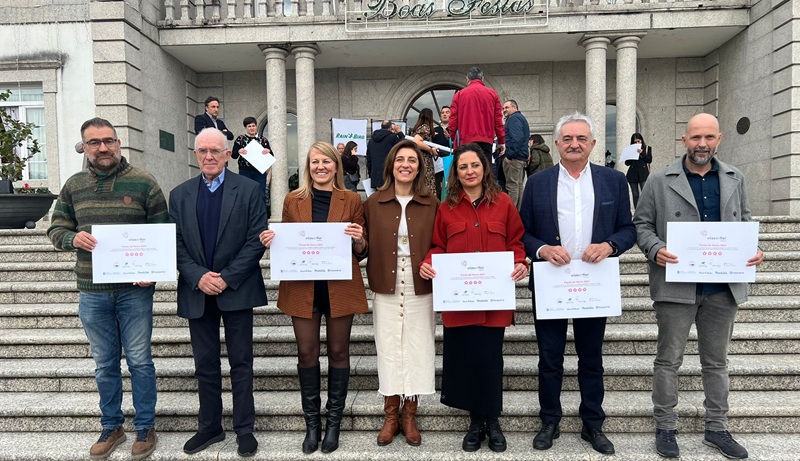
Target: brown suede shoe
108, 441
145, 443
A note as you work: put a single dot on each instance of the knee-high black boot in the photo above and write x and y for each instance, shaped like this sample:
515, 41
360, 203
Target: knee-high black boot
338, 380
309, 393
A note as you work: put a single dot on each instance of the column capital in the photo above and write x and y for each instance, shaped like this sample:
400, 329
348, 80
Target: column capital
275, 51
305, 50
628, 41
591, 42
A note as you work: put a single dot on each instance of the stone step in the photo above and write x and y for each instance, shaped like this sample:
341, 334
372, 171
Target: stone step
360, 446
764, 309
622, 372
637, 285
626, 411
620, 339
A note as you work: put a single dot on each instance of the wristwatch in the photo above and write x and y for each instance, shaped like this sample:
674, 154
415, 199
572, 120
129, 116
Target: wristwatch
614, 247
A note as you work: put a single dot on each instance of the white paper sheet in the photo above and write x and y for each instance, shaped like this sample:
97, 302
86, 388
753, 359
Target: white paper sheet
629, 153
261, 162
127, 253
310, 251
712, 251
474, 281
577, 290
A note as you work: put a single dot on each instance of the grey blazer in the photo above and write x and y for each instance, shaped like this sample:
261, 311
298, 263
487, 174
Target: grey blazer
667, 197
238, 250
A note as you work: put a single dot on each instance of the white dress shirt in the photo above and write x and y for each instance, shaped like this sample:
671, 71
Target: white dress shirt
575, 201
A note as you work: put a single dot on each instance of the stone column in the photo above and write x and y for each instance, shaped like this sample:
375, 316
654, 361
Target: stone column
275, 57
626, 91
596, 48
306, 101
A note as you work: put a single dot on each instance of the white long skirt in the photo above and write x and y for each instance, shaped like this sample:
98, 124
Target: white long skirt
404, 337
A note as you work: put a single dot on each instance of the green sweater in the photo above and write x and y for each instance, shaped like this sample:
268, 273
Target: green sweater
126, 195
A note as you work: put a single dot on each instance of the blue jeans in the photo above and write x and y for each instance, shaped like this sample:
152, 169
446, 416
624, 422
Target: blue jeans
713, 316
114, 320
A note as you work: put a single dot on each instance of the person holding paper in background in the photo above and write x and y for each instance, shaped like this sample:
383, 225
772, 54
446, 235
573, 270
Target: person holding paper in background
639, 169
695, 187
574, 210
400, 217
111, 191
476, 216
323, 198
245, 168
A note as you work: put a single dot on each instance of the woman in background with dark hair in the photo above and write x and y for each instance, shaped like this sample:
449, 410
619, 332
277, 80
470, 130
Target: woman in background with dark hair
639, 169
400, 218
476, 216
245, 168
350, 164
423, 131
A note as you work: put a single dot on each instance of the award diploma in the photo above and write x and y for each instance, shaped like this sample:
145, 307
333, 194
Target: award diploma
715, 252
127, 253
310, 251
260, 162
474, 281
577, 290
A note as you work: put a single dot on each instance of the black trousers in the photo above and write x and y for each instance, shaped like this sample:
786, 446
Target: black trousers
206, 349
551, 337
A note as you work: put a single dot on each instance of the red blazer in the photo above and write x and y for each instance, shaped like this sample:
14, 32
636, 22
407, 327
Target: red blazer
499, 228
347, 297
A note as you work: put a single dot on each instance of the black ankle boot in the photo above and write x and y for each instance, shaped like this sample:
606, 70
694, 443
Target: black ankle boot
497, 441
309, 393
475, 434
338, 380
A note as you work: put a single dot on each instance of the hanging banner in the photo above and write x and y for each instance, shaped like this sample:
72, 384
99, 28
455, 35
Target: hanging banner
345, 130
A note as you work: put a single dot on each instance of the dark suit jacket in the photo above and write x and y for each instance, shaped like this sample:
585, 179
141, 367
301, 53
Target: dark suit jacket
612, 211
238, 250
204, 121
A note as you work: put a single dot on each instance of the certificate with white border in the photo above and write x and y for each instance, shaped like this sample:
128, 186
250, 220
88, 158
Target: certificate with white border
474, 281
577, 290
712, 252
310, 251
127, 253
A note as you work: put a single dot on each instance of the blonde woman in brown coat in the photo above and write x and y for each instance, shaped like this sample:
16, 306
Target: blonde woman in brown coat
400, 217
323, 198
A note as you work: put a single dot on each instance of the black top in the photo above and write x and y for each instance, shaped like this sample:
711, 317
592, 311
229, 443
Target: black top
209, 209
320, 205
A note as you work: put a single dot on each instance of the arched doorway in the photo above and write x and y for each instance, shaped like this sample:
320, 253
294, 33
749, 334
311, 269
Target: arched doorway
433, 98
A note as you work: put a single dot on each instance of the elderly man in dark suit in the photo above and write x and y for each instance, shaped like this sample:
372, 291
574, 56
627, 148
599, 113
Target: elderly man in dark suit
218, 217
574, 210
209, 119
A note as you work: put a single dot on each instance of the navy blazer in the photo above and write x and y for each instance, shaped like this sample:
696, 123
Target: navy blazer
612, 211
238, 251
203, 121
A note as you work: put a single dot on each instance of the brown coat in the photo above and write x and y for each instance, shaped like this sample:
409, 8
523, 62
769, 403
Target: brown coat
347, 297
382, 211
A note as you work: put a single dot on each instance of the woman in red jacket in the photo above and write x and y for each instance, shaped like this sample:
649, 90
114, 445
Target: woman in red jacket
476, 216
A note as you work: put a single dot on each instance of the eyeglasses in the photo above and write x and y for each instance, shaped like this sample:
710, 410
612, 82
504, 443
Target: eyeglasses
95, 143
215, 152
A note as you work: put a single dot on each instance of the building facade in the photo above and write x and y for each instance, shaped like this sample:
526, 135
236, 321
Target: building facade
631, 65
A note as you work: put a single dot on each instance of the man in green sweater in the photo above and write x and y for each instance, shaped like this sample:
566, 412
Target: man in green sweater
111, 191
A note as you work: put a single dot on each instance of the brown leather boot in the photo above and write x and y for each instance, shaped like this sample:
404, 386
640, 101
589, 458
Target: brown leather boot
413, 436
391, 407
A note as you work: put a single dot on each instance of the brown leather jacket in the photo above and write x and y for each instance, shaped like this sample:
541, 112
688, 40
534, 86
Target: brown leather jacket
347, 297
382, 212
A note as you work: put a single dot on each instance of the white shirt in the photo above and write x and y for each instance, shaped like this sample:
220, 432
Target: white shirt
575, 201
403, 249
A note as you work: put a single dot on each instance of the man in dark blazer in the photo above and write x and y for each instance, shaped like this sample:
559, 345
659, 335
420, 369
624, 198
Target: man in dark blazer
209, 119
574, 210
218, 217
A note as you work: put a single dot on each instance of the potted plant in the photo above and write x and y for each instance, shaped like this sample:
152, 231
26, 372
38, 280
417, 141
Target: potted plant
22, 209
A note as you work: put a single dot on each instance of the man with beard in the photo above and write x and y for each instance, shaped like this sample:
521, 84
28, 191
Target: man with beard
209, 119
696, 187
111, 191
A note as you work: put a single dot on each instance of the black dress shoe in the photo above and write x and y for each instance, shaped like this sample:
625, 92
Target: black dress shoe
497, 441
544, 438
248, 445
201, 440
475, 434
599, 441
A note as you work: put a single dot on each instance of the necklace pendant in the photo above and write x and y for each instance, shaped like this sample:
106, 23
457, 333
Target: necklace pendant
404, 239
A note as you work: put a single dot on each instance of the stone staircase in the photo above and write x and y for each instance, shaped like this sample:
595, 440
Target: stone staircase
48, 401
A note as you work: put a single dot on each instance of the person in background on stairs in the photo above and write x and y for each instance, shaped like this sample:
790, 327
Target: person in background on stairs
218, 217
323, 198
695, 187
111, 191
400, 217
574, 210
476, 216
